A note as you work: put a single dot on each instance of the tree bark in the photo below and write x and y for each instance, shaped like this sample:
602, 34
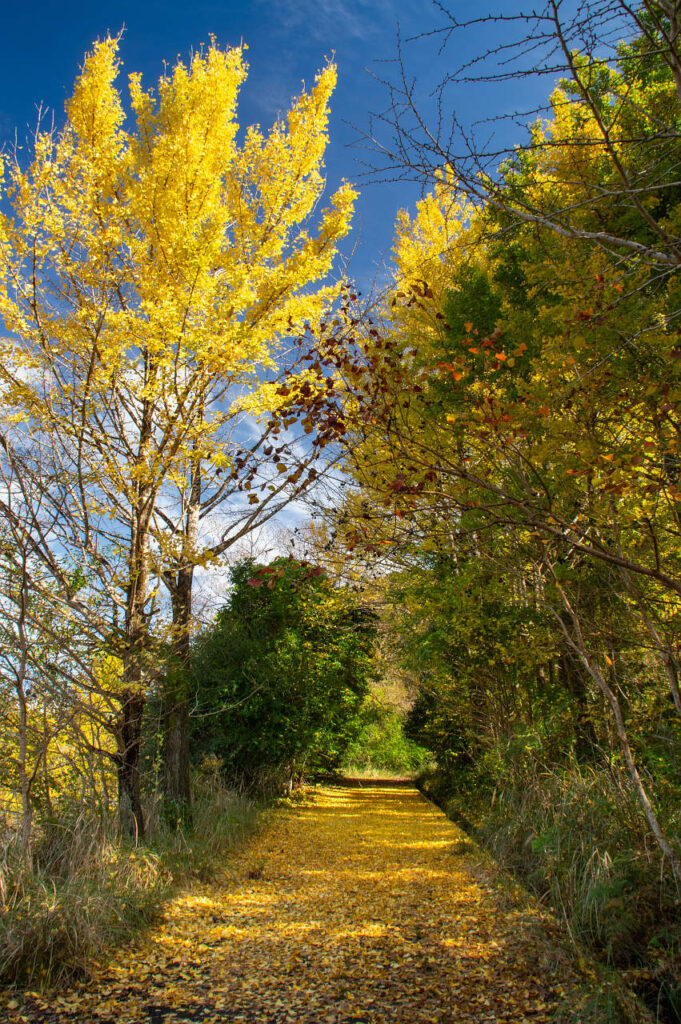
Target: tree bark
135, 657
25, 778
129, 741
176, 696
177, 687
586, 742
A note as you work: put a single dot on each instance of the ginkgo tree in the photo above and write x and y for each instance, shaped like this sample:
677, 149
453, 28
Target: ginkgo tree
154, 265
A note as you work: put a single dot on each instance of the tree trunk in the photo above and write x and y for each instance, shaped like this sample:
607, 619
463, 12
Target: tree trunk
177, 688
135, 664
176, 696
586, 742
129, 740
25, 779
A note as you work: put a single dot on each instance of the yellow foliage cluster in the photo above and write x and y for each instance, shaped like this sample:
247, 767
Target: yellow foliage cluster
163, 262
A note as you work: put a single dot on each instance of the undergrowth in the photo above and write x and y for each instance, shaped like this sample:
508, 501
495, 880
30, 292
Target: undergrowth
575, 837
87, 889
382, 748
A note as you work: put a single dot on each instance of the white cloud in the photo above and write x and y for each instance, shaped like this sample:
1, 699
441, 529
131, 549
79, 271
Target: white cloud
355, 19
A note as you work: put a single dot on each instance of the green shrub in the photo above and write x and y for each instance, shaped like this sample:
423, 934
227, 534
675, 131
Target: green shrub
382, 745
282, 675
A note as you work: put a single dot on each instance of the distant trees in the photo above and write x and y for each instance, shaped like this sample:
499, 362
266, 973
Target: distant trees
281, 677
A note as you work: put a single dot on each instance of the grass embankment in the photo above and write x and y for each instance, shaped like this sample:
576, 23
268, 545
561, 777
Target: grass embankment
86, 889
576, 838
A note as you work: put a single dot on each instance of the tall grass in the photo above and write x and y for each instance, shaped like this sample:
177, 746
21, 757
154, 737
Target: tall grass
83, 891
576, 838
88, 888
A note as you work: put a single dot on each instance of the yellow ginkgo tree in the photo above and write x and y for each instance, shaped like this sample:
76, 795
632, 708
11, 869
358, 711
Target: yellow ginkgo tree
155, 265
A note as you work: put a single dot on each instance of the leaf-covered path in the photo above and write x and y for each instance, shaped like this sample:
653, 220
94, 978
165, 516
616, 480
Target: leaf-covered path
356, 905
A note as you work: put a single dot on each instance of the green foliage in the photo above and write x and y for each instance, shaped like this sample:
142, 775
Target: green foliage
382, 745
480, 651
476, 300
281, 677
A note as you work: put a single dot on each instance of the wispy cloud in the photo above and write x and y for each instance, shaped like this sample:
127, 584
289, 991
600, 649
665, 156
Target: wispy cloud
303, 33
321, 19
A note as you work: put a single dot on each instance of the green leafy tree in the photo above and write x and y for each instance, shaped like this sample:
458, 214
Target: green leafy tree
281, 676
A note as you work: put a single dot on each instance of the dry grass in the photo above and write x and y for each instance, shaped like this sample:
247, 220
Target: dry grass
87, 888
576, 838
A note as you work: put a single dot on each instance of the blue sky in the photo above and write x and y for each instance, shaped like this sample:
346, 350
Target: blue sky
42, 45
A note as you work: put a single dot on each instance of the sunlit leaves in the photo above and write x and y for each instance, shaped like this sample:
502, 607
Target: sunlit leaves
350, 904
174, 248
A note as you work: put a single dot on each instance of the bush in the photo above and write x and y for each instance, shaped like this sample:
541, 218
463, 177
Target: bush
281, 676
382, 745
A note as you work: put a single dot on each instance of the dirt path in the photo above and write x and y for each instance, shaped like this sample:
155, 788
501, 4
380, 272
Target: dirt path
357, 905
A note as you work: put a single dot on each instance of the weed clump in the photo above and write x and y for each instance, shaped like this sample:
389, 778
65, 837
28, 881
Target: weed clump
574, 836
86, 888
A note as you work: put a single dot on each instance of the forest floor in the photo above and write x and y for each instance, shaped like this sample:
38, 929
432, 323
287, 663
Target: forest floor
354, 905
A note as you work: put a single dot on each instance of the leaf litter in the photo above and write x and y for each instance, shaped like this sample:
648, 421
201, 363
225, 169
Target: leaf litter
356, 905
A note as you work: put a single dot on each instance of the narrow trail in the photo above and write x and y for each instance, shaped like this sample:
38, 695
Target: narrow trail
356, 905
